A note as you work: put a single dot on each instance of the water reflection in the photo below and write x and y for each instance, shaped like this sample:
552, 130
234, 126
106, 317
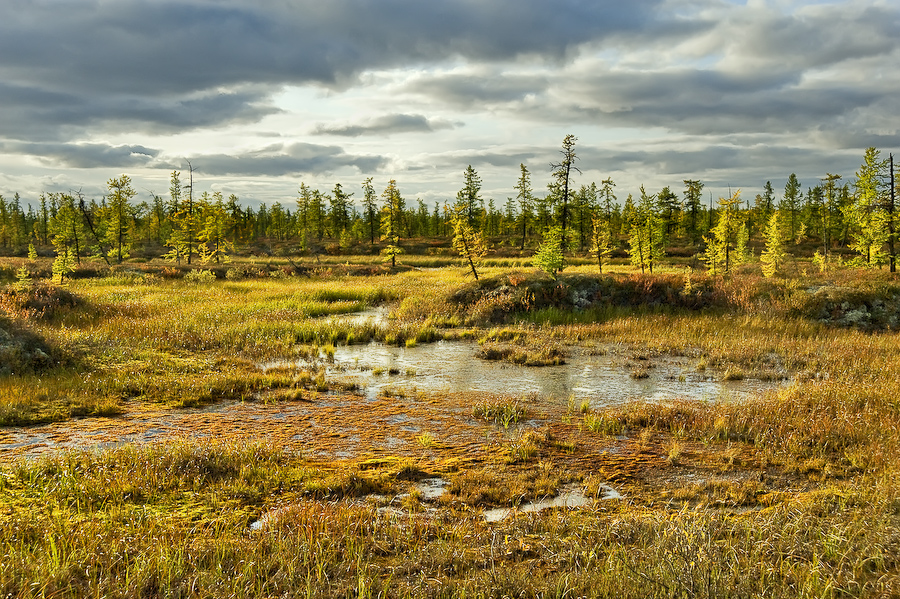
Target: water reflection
601, 380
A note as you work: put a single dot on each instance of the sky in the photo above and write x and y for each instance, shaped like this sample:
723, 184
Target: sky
261, 95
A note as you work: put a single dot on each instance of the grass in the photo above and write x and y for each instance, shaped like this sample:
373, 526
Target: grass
503, 412
170, 520
792, 493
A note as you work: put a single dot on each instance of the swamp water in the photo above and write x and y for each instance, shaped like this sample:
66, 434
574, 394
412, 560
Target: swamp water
333, 426
453, 366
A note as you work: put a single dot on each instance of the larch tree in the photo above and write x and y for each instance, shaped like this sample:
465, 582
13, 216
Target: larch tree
866, 213
692, 206
391, 215
370, 208
600, 238
525, 199
118, 215
645, 233
721, 243
468, 241
561, 186
793, 192
773, 256
468, 199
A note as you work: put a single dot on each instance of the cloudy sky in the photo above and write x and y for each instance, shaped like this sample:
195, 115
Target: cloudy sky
260, 95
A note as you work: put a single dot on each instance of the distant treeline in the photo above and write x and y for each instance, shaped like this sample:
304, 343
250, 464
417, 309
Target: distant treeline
195, 228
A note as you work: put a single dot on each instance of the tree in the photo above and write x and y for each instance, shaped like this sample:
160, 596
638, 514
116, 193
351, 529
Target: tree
339, 210
828, 209
645, 233
468, 200
866, 211
791, 202
391, 213
774, 254
185, 225
549, 256
370, 206
692, 205
67, 236
468, 241
214, 234
600, 239
890, 209
585, 202
562, 183
723, 236
118, 215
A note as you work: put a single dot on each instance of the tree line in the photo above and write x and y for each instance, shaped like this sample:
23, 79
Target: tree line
568, 218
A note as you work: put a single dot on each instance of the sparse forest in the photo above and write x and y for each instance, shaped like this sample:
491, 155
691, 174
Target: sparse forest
838, 221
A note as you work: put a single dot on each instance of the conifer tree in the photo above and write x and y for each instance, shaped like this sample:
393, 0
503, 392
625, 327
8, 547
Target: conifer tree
370, 208
866, 213
600, 239
339, 210
645, 233
774, 255
722, 241
692, 205
549, 256
468, 241
525, 199
561, 187
791, 203
468, 199
118, 216
391, 213
214, 234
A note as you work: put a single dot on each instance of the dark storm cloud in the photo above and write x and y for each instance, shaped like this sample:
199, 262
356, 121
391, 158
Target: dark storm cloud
40, 114
294, 159
83, 62
84, 155
385, 125
153, 48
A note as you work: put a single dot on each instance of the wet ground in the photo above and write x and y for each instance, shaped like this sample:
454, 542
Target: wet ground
600, 379
410, 400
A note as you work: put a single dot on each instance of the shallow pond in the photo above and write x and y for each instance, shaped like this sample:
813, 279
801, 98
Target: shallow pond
599, 379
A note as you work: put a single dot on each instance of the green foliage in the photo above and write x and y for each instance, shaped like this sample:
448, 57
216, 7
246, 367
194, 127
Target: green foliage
63, 264
549, 256
646, 236
600, 239
118, 218
391, 215
467, 241
774, 254
32, 253
23, 279
720, 246
200, 276
866, 214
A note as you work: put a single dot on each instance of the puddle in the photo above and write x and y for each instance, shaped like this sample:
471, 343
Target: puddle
431, 488
453, 366
570, 496
372, 316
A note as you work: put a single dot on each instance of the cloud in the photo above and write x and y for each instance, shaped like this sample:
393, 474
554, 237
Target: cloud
84, 155
31, 113
165, 47
385, 125
280, 160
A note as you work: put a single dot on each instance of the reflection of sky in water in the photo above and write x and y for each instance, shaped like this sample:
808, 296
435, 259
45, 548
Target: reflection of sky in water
452, 366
